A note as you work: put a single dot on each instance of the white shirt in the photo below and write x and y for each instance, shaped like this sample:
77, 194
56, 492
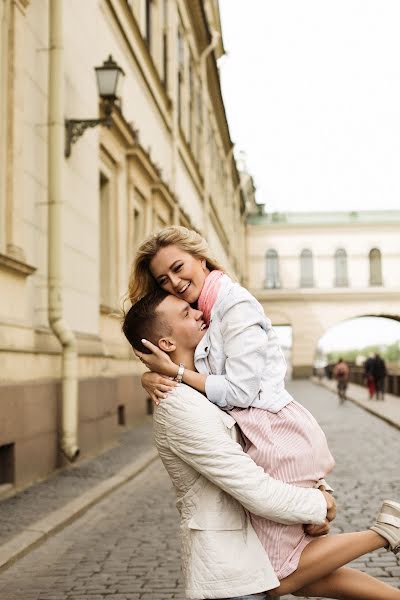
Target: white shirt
240, 354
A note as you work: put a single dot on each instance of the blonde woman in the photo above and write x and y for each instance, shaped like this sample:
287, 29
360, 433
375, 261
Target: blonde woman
239, 365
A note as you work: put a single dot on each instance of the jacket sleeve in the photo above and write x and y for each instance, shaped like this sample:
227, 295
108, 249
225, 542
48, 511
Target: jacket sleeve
245, 347
200, 438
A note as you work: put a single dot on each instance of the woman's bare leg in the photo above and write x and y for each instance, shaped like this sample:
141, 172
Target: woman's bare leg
349, 584
325, 555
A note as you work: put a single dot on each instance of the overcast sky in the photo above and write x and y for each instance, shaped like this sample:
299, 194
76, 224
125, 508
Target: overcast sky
312, 92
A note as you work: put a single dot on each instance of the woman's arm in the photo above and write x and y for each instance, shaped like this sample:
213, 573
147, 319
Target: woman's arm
245, 348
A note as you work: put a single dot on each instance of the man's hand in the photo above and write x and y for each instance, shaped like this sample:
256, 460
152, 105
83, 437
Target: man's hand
317, 530
157, 361
330, 503
157, 386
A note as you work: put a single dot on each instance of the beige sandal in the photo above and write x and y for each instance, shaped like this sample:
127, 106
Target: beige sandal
388, 524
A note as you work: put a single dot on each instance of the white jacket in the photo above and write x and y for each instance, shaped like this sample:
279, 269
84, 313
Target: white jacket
216, 484
241, 354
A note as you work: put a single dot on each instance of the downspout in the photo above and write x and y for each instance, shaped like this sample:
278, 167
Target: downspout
215, 36
56, 129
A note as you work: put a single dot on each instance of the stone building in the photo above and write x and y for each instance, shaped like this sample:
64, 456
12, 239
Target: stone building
313, 270
72, 217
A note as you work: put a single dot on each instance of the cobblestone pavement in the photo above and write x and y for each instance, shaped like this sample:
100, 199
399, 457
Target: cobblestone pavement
127, 547
35, 502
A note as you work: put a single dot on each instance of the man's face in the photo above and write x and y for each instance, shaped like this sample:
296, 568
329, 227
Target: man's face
187, 325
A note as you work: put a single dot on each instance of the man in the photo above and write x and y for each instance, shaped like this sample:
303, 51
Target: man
215, 481
379, 374
368, 374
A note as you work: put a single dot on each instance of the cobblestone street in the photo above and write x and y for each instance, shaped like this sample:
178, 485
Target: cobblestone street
127, 546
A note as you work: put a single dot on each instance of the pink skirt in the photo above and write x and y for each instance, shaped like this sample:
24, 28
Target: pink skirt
289, 446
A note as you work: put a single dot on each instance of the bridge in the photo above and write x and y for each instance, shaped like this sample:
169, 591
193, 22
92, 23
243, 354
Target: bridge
314, 270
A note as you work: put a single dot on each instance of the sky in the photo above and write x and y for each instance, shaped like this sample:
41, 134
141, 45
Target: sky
312, 94
351, 334
360, 333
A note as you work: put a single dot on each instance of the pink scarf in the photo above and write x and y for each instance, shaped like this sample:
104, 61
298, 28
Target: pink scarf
209, 294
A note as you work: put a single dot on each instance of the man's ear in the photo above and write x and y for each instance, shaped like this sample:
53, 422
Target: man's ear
167, 344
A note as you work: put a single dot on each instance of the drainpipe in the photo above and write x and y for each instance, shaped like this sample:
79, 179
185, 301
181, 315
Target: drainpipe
56, 129
215, 36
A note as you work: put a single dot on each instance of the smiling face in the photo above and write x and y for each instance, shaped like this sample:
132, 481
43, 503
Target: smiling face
186, 324
179, 273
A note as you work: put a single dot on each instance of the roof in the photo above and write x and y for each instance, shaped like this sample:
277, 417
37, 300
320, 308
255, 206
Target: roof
326, 218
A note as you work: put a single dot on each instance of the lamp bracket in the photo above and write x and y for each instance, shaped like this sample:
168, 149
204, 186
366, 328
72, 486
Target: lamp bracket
74, 128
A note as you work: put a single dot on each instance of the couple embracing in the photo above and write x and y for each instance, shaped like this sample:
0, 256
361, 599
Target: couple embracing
247, 461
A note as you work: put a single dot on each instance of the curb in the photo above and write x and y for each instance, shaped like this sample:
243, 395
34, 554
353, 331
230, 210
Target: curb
362, 404
38, 532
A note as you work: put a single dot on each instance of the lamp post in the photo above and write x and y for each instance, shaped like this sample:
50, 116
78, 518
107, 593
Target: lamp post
109, 79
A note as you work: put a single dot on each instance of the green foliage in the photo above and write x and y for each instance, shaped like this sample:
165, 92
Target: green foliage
390, 353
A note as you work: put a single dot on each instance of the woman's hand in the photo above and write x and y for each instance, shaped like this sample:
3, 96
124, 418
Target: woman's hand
157, 386
157, 361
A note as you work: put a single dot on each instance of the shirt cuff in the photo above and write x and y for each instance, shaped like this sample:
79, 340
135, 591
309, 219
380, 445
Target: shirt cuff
216, 390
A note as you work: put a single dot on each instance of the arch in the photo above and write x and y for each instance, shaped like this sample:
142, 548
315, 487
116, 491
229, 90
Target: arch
341, 278
375, 267
306, 268
272, 267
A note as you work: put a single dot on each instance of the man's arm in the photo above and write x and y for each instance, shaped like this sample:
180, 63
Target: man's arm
198, 436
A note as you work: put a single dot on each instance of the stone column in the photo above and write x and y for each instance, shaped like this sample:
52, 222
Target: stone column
15, 191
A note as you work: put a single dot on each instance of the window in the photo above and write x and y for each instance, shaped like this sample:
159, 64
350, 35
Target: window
199, 122
108, 284
148, 23
306, 268
181, 70
191, 98
375, 267
165, 43
341, 279
272, 278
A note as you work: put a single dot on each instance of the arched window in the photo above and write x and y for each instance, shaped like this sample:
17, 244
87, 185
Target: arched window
375, 267
306, 268
272, 278
341, 268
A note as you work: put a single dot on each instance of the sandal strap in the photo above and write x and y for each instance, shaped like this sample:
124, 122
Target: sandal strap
389, 519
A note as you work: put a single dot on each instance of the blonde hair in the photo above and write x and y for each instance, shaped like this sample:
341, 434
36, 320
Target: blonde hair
141, 281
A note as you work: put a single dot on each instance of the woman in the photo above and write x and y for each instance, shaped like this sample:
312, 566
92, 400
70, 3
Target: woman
242, 366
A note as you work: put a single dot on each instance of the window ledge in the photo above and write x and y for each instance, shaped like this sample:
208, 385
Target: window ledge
19, 267
110, 311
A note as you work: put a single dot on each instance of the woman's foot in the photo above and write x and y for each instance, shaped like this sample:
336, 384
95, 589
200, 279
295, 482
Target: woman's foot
387, 524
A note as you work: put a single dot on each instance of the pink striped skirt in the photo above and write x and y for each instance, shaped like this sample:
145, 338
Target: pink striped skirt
290, 446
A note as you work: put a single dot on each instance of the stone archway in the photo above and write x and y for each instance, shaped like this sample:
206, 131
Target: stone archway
310, 315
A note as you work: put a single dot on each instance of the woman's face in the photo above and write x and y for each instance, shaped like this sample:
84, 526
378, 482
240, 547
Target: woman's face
179, 273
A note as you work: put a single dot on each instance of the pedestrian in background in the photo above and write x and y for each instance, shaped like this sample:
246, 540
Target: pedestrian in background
341, 374
379, 374
369, 377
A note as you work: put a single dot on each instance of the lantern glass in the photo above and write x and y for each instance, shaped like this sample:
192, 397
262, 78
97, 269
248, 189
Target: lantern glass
109, 77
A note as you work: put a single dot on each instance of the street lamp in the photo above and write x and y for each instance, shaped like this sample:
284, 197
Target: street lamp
109, 79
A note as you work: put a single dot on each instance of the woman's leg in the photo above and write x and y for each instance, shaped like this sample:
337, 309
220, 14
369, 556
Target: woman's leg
349, 584
324, 555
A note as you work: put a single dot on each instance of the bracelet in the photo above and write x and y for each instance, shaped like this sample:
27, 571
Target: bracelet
180, 373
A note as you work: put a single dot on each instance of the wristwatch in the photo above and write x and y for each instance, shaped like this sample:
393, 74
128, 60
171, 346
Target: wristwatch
180, 373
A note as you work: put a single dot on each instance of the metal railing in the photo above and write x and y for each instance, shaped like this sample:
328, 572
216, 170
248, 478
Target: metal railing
392, 381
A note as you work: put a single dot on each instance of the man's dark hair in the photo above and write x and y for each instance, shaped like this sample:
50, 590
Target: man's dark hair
143, 321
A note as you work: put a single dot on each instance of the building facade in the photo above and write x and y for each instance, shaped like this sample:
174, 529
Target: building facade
70, 225
314, 270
